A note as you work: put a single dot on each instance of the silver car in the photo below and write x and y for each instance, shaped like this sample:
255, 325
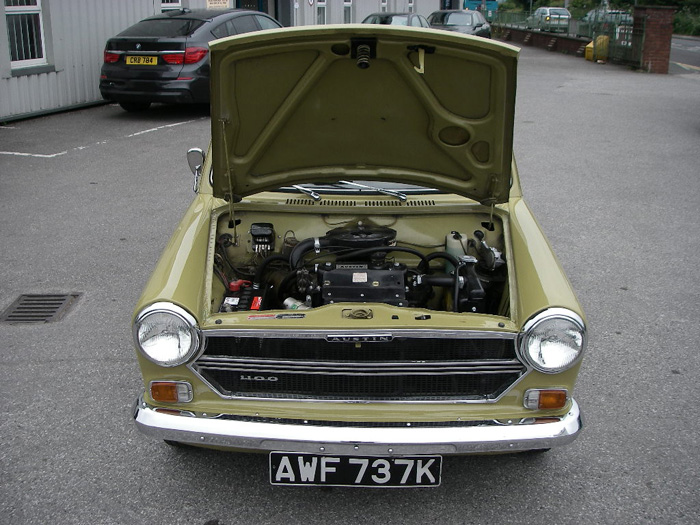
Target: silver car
554, 19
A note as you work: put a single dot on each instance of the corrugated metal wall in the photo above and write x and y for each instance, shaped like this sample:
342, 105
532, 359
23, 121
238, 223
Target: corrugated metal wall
75, 32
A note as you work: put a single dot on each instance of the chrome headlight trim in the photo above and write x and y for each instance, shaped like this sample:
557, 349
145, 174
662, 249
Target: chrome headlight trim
545, 316
181, 315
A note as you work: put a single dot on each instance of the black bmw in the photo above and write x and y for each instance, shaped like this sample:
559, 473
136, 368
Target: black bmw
165, 58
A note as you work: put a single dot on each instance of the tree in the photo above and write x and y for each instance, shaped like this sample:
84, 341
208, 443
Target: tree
690, 5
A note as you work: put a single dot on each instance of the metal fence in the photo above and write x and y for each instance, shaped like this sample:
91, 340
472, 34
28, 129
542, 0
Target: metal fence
616, 38
619, 43
506, 19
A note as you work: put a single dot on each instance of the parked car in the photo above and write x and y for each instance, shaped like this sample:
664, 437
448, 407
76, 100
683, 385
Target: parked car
397, 19
358, 287
461, 21
165, 58
553, 19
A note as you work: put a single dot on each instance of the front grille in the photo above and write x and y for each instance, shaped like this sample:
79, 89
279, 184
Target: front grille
396, 369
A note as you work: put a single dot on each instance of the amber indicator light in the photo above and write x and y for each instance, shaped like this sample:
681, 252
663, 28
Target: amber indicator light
169, 411
164, 391
550, 399
544, 420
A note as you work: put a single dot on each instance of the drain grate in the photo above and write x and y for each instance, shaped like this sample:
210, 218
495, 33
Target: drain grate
38, 308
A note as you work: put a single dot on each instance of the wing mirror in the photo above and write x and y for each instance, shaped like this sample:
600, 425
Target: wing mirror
195, 158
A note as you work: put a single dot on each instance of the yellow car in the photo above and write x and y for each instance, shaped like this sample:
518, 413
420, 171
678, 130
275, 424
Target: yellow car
358, 288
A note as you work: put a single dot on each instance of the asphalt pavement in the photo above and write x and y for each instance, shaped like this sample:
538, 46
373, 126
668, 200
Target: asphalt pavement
685, 53
609, 160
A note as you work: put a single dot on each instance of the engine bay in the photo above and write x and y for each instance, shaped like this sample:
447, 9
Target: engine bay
303, 261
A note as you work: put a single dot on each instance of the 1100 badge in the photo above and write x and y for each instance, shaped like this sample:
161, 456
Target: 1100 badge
357, 471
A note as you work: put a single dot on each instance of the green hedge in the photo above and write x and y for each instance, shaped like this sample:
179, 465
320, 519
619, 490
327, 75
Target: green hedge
686, 23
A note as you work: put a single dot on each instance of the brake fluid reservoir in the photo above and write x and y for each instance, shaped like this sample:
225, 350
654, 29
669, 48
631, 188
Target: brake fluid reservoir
455, 244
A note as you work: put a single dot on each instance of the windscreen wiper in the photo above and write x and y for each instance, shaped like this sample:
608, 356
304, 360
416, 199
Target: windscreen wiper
306, 191
401, 196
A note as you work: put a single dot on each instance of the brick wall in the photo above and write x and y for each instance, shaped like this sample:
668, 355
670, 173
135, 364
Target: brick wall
658, 30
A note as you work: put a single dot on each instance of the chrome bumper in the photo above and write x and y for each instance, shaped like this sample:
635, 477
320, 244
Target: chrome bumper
487, 436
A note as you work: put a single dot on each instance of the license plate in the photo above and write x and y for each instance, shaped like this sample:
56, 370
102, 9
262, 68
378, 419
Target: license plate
141, 61
291, 468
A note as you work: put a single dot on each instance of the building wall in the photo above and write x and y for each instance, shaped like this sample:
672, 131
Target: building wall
306, 12
75, 32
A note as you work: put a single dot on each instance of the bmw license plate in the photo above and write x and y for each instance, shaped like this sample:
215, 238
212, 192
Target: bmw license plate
141, 61
291, 468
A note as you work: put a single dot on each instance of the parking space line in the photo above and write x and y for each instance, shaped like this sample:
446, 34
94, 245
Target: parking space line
79, 148
159, 128
687, 67
37, 155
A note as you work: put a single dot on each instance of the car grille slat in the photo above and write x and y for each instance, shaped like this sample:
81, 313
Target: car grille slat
400, 369
356, 369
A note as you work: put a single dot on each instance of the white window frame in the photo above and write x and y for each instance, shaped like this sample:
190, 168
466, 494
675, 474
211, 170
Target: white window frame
384, 6
321, 14
411, 6
347, 11
27, 10
170, 5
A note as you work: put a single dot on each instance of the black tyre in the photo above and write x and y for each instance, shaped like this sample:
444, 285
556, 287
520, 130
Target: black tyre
135, 106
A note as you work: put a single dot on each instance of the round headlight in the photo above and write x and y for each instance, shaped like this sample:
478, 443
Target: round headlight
553, 340
166, 334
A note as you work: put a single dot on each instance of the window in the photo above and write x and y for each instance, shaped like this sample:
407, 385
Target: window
25, 32
347, 11
384, 8
411, 6
458, 19
220, 31
168, 5
244, 24
321, 12
266, 23
163, 27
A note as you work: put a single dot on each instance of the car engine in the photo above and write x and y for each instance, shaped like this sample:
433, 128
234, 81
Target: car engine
358, 263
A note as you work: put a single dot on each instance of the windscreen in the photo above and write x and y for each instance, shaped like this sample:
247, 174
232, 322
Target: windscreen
163, 27
393, 20
452, 19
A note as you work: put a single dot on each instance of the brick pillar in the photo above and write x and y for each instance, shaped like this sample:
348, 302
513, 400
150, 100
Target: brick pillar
658, 30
